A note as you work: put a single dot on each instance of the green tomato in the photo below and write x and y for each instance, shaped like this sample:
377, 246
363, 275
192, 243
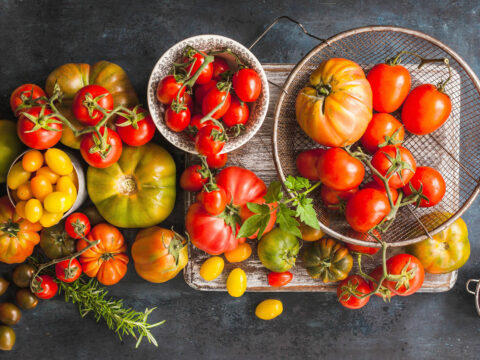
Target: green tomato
10, 146
278, 250
55, 242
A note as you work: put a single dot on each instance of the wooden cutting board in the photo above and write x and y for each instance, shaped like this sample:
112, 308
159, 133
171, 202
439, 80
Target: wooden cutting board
256, 155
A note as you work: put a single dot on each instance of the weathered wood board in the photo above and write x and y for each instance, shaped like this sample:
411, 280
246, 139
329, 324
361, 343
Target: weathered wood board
257, 156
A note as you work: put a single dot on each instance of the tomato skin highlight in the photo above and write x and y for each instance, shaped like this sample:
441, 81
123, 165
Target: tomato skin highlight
340, 171
432, 183
357, 283
366, 209
277, 279
382, 125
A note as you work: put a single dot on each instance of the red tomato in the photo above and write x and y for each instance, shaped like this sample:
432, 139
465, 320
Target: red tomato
188, 101
411, 273
425, 109
335, 199
364, 237
366, 209
209, 140
193, 178
277, 279
237, 113
45, 286
307, 163
359, 286
390, 86
99, 158
83, 106
68, 272
47, 135
177, 120
380, 131
401, 157
202, 90
25, 97
136, 129
245, 213
214, 201
215, 97
382, 292
196, 125
198, 59
77, 223
247, 84
374, 185
217, 161
338, 170
168, 88
432, 184
219, 67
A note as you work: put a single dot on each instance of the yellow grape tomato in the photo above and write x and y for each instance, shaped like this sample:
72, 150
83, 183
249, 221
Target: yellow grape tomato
269, 309
40, 186
32, 160
58, 161
74, 177
24, 192
241, 253
49, 174
236, 282
33, 210
56, 202
17, 176
49, 219
212, 268
66, 185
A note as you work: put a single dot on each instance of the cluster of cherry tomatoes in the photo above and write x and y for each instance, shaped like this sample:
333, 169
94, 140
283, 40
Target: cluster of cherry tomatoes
203, 90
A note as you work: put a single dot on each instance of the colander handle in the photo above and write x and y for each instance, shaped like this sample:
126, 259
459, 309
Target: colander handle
468, 285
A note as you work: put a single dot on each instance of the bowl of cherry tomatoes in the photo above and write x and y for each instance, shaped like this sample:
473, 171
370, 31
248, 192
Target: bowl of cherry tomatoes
208, 94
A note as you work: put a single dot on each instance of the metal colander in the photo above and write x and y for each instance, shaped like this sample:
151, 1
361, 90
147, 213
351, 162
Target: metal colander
454, 149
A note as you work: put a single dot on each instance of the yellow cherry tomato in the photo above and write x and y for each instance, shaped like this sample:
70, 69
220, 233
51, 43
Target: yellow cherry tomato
56, 202
40, 186
24, 192
212, 268
66, 185
32, 160
49, 174
269, 309
242, 252
17, 176
58, 161
74, 177
20, 209
33, 210
49, 219
236, 282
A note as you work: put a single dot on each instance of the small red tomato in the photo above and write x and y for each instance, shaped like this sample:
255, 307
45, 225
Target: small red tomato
338, 170
382, 292
247, 84
216, 98
237, 113
25, 97
410, 272
351, 286
217, 161
77, 225
48, 132
213, 201
394, 157
45, 287
168, 88
374, 185
67, 271
197, 60
177, 120
364, 237
135, 129
366, 209
219, 67
307, 163
335, 199
383, 129
277, 279
193, 178
209, 140
101, 158
188, 101
86, 100
431, 182
202, 90
196, 125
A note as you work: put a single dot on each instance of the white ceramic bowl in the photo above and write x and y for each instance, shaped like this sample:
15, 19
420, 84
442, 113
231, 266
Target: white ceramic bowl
162, 68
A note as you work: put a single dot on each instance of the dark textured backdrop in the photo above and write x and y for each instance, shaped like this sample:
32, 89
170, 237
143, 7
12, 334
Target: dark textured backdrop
37, 36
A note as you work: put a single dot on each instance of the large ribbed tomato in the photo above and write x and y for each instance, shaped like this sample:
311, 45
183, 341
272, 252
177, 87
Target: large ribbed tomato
335, 107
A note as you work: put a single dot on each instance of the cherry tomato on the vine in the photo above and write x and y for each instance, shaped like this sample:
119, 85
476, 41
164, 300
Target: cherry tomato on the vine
237, 113
198, 58
196, 125
202, 90
335, 199
216, 97
382, 129
77, 223
431, 183
25, 97
213, 201
45, 287
217, 161
383, 291
193, 178
83, 106
410, 271
177, 120
219, 67
396, 157
366, 209
277, 279
247, 84
47, 135
209, 140
168, 88
353, 284
101, 158
67, 271
339, 170
137, 128
374, 185
307, 163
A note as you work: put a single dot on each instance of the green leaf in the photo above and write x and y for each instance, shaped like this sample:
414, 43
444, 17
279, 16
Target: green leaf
274, 192
297, 183
306, 213
258, 208
250, 226
286, 220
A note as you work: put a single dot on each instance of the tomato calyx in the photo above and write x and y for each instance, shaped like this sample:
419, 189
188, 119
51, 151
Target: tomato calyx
91, 103
392, 139
28, 101
231, 216
397, 165
350, 289
127, 185
417, 195
177, 243
42, 121
100, 144
10, 227
403, 279
132, 117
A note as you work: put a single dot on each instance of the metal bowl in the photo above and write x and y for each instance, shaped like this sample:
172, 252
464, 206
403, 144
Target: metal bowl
162, 68
454, 149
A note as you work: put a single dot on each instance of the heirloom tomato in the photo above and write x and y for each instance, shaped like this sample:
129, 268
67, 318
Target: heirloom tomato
430, 183
25, 97
135, 128
10, 147
212, 268
45, 287
277, 279
38, 128
193, 178
309, 233
383, 130
399, 159
278, 250
168, 89
22, 275
247, 84
56, 242
338, 170
366, 209
409, 272
354, 284
7, 338
85, 102
97, 157
236, 282
26, 299
10, 314
269, 309
307, 163
68, 271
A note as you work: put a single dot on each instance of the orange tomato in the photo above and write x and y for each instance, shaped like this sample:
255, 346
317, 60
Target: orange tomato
20, 209
49, 174
40, 186
241, 253
24, 192
32, 160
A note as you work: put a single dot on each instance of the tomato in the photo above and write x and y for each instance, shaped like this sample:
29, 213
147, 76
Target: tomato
32, 160
68, 271
202, 90
17, 176
383, 130
374, 185
212, 268
101, 158
247, 84
446, 251
24, 192
241, 253
25, 97
328, 260
245, 213
269, 309
48, 133
390, 86
93, 215
33, 210
217, 161
168, 89
335, 107
25, 299
354, 284
10, 146
236, 282
85, 104
219, 67
425, 109
197, 59
41, 187
48, 173
216, 97
58, 161
307, 163
3, 286
209, 140
277, 279
177, 121
22, 275
108, 260
237, 113
394, 157
7, 338
278, 250
44, 287
309, 233
364, 237
410, 271
49, 219
196, 125
66, 186
136, 128
431, 184
334, 199
338, 170
366, 209
56, 242
213, 201
55, 202
382, 291
193, 178
77, 225
10, 314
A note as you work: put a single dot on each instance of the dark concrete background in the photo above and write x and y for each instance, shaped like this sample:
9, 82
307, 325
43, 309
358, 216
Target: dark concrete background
37, 36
